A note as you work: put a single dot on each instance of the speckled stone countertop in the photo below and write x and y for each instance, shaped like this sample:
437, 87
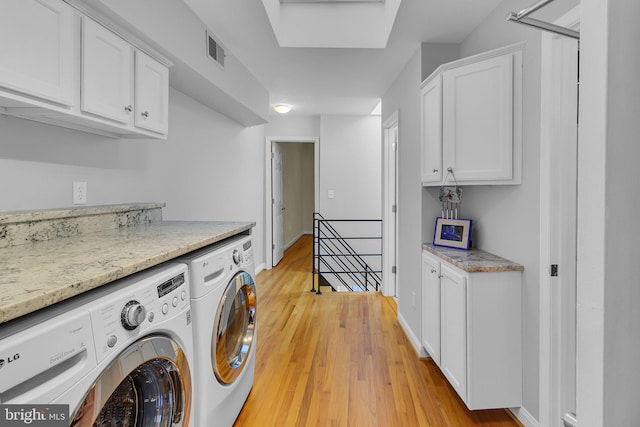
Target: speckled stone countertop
473, 260
36, 275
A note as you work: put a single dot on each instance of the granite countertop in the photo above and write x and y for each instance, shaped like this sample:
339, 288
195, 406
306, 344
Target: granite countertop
36, 275
473, 260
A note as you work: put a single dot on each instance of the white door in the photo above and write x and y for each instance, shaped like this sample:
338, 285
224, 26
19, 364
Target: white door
36, 49
107, 73
559, 198
563, 216
393, 199
389, 206
151, 94
277, 203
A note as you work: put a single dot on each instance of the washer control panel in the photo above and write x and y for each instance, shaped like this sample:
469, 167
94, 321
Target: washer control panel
247, 251
132, 307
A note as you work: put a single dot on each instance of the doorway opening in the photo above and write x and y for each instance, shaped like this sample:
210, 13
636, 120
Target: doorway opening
291, 190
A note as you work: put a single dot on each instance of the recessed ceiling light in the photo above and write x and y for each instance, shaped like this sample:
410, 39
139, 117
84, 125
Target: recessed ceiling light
282, 108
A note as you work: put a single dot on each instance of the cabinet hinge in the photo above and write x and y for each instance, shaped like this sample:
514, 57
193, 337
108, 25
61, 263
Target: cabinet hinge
394, 208
393, 269
273, 246
553, 270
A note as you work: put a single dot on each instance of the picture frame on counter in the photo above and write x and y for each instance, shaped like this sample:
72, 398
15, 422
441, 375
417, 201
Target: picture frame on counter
452, 233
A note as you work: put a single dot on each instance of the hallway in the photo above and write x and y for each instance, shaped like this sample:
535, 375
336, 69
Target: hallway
342, 359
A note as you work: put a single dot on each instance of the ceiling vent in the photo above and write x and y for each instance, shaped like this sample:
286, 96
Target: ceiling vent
215, 51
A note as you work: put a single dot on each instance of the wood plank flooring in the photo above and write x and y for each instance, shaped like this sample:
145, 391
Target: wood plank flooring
340, 359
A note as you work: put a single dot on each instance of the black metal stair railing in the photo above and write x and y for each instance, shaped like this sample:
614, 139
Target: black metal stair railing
335, 257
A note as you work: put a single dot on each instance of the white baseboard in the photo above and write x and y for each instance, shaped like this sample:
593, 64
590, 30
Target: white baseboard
415, 341
295, 239
260, 267
525, 417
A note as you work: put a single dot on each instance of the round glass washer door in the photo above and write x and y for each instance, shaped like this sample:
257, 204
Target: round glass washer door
234, 328
147, 385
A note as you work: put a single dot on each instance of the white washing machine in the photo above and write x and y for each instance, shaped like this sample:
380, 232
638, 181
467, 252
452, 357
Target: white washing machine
120, 355
223, 303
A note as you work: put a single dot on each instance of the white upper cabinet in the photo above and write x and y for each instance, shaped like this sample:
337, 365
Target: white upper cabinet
431, 103
475, 131
37, 49
63, 64
151, 94
107, 73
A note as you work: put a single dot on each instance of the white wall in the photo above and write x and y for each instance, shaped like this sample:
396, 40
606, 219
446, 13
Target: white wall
293, 126
350, 165
196, 171
404, 96
608, 253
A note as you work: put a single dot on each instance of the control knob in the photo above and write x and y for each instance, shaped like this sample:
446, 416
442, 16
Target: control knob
236, 257
133, 314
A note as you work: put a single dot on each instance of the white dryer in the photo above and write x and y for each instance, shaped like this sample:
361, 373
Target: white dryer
120, 355
223, 303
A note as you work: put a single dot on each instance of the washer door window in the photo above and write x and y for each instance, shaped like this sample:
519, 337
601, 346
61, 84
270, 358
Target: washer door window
234, 328
148, 385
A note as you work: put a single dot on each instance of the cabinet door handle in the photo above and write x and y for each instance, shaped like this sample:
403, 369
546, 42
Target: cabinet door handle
435, 170
128, 108
145, 114
433, 271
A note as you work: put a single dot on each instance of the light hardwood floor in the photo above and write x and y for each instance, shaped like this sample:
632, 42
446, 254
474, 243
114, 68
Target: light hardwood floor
340, 359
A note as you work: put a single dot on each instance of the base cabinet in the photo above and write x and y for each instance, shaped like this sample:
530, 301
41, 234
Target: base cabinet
479, 331
431, 306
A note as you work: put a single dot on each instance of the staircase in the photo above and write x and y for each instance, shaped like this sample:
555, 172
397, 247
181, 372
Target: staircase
347, 254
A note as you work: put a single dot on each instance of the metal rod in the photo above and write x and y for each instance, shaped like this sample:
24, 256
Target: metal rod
531, 9
536, 23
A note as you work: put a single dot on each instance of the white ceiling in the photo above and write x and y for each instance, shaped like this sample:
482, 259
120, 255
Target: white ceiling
318, 81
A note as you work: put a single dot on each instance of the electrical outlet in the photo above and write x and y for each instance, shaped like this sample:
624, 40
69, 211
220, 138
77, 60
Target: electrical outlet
330, 194
79, 193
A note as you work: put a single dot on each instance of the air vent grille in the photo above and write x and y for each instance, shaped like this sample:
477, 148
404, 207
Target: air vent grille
215, 51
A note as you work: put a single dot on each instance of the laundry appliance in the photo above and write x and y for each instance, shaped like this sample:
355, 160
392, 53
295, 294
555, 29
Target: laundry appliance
223, 303
119, 355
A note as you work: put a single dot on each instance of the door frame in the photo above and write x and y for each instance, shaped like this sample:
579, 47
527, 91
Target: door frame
389, 247
552, 352
268, 216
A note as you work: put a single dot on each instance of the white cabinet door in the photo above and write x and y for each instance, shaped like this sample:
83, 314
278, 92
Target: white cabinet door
107, 73
151, 94
431, 306
37, 49
453, 352
478, 120
431, 101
